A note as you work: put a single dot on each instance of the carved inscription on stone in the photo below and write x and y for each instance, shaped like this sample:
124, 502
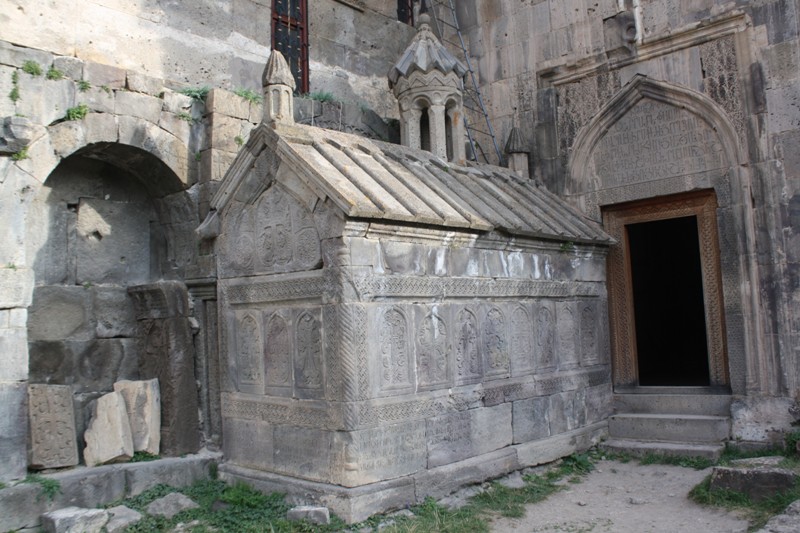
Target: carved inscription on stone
381, 453
449, 439
468, 356
287, 237
655, 140
394, 350
545, 326
432, 351
566, 328
495, 343
589, 344
303, 452
248, 354
521, 340
278, 352
308, 362
53, 441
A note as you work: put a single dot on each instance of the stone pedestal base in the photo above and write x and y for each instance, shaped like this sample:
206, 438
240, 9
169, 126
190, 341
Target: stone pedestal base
357, 504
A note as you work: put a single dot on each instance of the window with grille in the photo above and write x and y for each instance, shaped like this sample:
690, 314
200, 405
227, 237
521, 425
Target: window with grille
290, 36
405, 11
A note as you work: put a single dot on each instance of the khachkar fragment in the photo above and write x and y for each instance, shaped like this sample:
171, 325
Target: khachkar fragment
143, 404
53, 442
108, 437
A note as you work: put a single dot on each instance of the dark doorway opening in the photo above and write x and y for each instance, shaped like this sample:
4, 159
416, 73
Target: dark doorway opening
668, 302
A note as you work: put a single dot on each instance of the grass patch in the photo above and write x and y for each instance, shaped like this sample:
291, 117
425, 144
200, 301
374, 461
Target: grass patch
143, 457
77, 112
250, 96
698, 463
14, 94
54, 74
49, 487
32, 67
183, 115
198, 93
84, 86
756, 513
322, 96
21, 155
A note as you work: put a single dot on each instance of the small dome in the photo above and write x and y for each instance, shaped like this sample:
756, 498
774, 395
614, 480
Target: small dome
277, 71
425, 53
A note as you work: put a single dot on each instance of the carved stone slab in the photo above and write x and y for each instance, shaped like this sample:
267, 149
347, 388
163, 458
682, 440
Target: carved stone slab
567, 330
53, 442
108, 436
458, 436
433, 342
143, 404
494, 344
521, 340
544, 337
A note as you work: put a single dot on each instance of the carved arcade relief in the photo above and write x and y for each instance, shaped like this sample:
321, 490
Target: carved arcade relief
468, 357
589, 344
249, 359
308, 365
545, 339
277, 353
495, 343
432, 351
521, 340
394, 350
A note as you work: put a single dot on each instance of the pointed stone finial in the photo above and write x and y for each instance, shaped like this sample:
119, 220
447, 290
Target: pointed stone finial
517, 151
279, 86
277, 71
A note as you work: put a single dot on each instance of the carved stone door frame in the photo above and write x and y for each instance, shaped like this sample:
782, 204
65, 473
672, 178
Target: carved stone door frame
701, 204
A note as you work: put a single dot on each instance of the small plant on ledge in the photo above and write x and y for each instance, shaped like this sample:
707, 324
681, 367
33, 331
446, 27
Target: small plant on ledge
197, 93
32, 67
54, 74
76, 113
250, 96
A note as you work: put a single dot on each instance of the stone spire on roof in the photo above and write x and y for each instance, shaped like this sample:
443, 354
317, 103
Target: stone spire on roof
278, 85
517, 151
427, 82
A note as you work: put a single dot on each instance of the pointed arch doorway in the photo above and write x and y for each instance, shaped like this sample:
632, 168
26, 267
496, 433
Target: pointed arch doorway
665, 297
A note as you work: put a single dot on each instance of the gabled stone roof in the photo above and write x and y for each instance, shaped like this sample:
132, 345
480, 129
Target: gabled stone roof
369, 179
425, 53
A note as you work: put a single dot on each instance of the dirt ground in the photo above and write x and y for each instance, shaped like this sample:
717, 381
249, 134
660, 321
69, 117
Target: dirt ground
625, 498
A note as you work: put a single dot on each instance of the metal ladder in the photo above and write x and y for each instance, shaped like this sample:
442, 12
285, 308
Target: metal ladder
473, 100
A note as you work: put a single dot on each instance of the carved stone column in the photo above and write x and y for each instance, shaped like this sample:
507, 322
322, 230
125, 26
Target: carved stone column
409, 128
438, 130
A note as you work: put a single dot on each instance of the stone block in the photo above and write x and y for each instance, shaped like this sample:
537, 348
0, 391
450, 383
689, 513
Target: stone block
141, 83
120, 518
7, 106
165, 299
179, 126
96, 99
170, 505
104, 75
113, 242
758, 483
228, 133
458, 436
13, 434
113, 308
53, 442
310, 513
13, 354
67, 137
227, 103
214, 164
15, 56
530, 418
100, 127
61, 313
71, 67
548, 450
138, 105
303, 452
143, 403
16, 287
44, 101
239, 447
21, 506
108, 437
74, 520
441, 481
378, 454
175, 472
176, 103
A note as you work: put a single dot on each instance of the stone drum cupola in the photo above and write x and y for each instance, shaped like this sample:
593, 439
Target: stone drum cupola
279, 86
427, 82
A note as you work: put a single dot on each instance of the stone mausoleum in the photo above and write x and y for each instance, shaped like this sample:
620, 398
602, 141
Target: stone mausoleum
557, 222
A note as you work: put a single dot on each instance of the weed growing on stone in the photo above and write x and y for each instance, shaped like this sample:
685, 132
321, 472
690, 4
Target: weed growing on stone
250, 96
106, 88
322, 96
84, 86
14, 94
77, 113
54, 74
183, 115
198, 93
143, 457
197, 156
238, 140
49, 487
19, 156
32, 67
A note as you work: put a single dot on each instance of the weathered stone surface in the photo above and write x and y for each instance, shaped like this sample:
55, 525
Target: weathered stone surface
227, 103
71, 67
758, 483
786, 522
114, 311
54, 98
13, 432
96, 98
120, 517
13, 347
100, 127
61, 313
75, 520
108, 437
174, 471
52, 427
166, 352
441, 481
310, 513
170, 505
17, 133
531, 419
141, 83
21, 506
104, 75
455, 437
16, 286
143, 403
138, 105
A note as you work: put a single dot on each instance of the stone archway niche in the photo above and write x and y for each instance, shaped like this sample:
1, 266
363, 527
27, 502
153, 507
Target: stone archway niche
656, 140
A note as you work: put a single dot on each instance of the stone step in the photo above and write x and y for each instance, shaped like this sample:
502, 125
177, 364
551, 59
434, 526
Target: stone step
686, 404
670, 427
640, 448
